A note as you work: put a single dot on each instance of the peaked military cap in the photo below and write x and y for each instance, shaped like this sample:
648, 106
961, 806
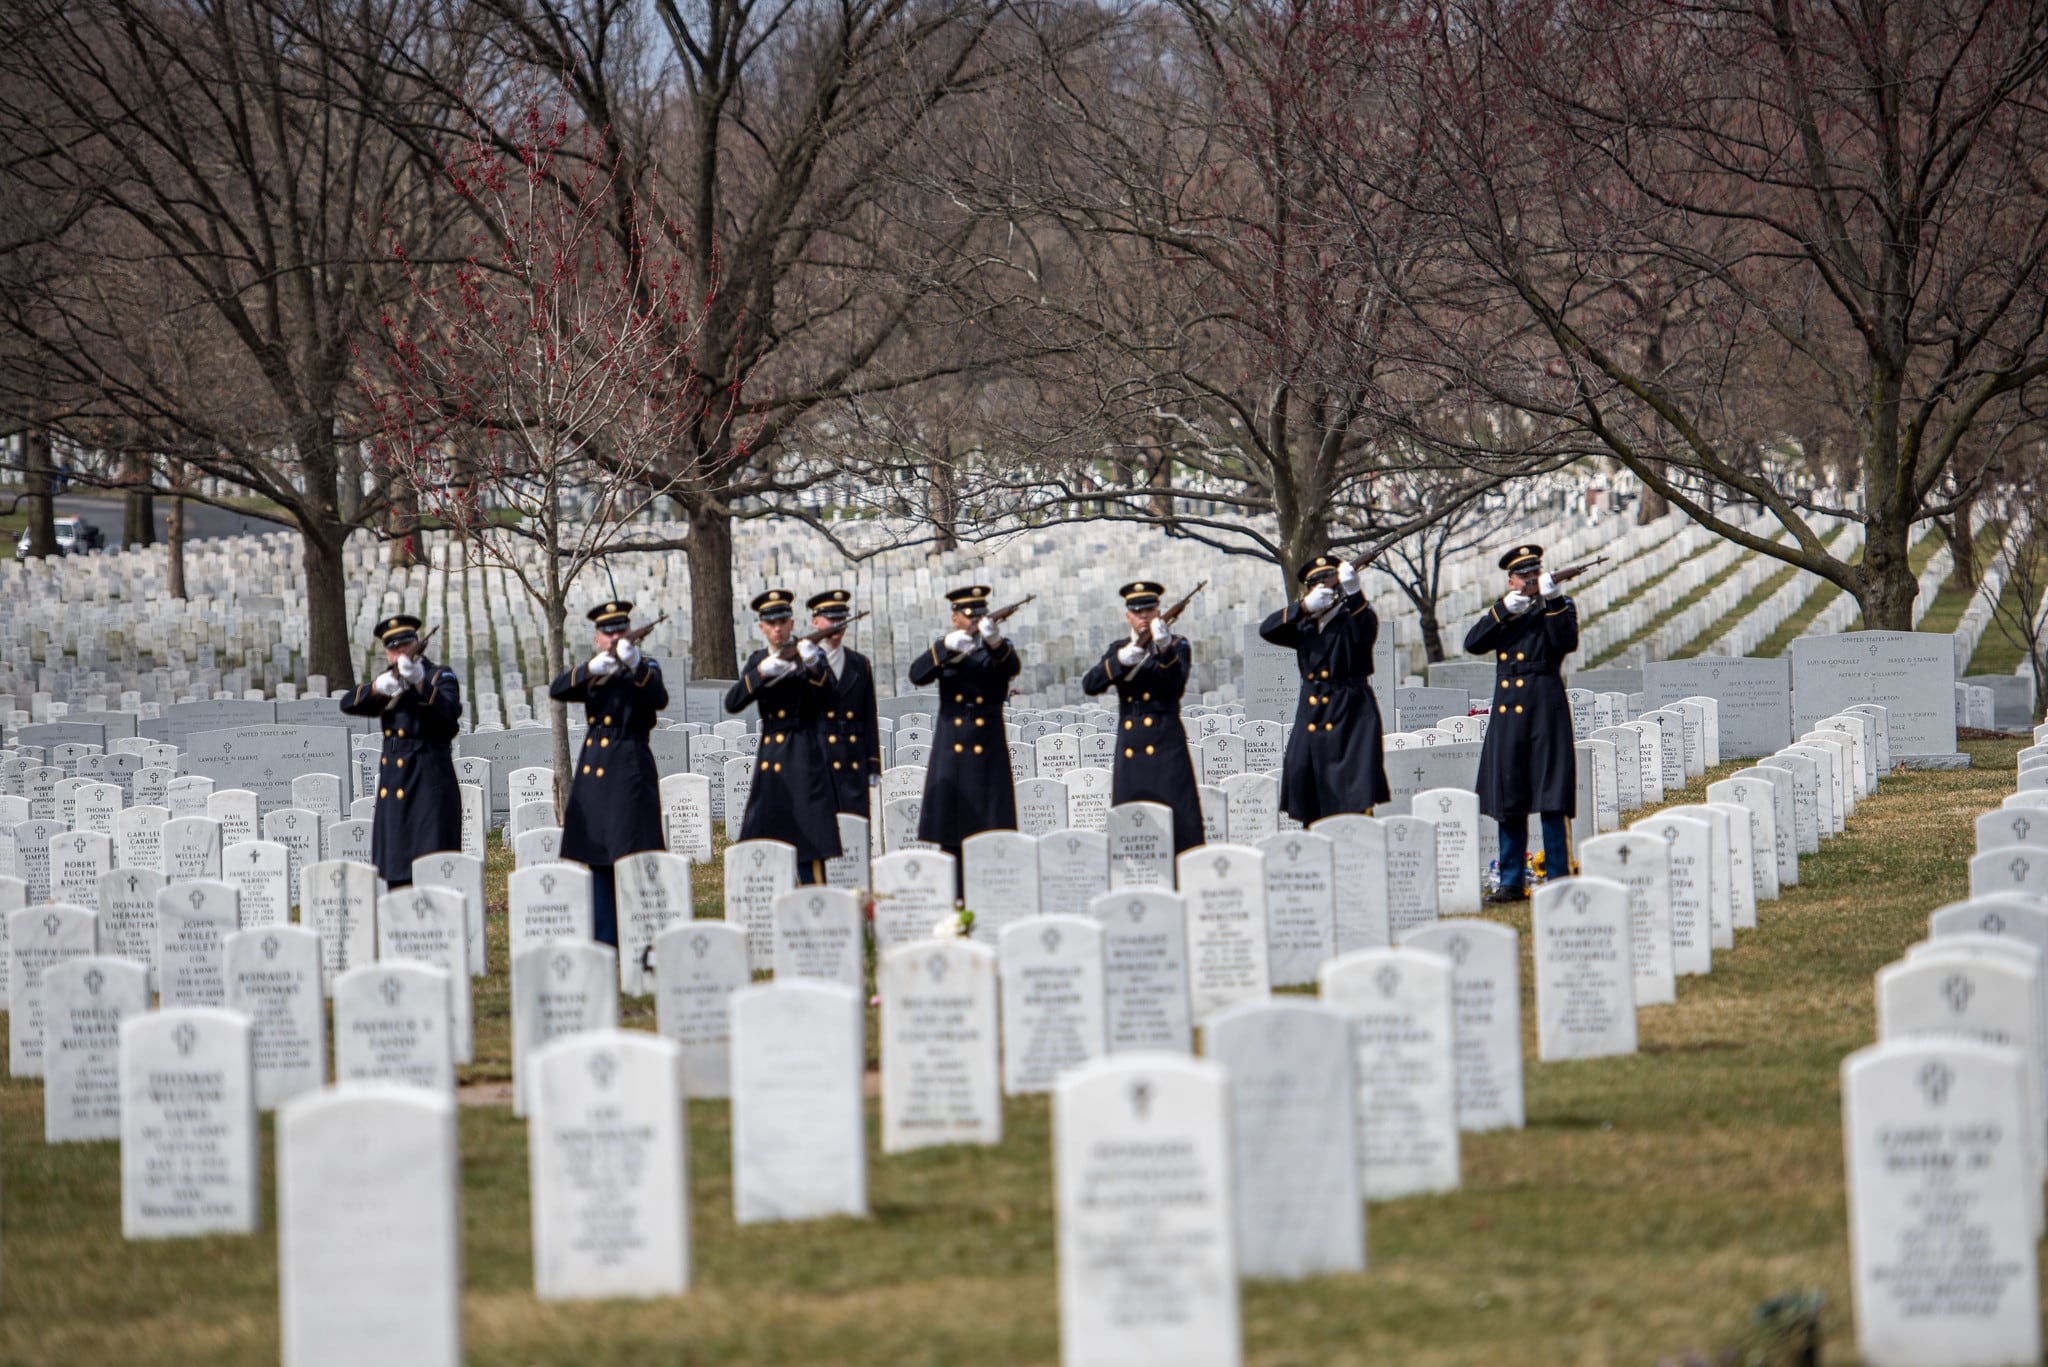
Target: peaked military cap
775, 605
401, 630
1140, 594
1318, 567
834, 604
1522, 558
616, 615
972, 600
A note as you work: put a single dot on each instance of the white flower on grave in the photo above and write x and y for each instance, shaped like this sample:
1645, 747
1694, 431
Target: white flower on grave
947, 928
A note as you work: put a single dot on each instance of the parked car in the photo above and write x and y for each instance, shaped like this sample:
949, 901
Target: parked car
74, 536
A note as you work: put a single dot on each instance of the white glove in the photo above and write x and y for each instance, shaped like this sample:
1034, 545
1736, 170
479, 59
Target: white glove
1131, 656
874, 780
629, 654
603, 665
1548, 586
410, 669
1516, 603
959, 642
774, 666
1319, 599
388, 684
1162, 637
1347, 577
991, 633
809, 652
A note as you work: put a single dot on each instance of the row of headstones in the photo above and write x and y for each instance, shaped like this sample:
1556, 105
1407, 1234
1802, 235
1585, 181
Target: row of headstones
1945, 1118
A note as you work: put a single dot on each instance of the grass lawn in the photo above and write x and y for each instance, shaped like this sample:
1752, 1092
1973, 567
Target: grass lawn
1651, 1203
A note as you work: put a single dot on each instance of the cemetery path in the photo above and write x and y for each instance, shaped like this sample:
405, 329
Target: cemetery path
202, 520
1649, 1205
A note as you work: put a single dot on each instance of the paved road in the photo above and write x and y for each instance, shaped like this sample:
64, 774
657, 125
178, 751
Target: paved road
201, 520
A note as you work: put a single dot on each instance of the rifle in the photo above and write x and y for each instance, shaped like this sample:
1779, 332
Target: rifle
789, 647
1172, 614
1571, 572
416, 650
1001, 615
636, 636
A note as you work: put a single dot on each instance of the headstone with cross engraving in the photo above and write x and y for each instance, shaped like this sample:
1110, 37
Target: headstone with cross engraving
1294, 1137
799, 1135
32, 855
369, 1241
1404, 1032
535, 847
297, 829
1252, 807
1720, 880
1301, 926
698, 965
548, 902
1942, 1189
194, 918
1140, 845
425, 924
2005, 826
756, 873
188, 1124
818, 934
1041, 805
1804, 775
1358, 847
938, 1045
1145, 969
39, 938
1001, 880
2015, 869
1487, 1010
1454, 812
236, 811
1073, 870
1089, 792
1585, 978
259, 872
1148, 1267
338, 902
273, 978
559, 988
610, 1177
138, 837
1986, 987
1053, 1003
391, 1024
1641, 863
78, 859
85, 999
850, 869
1225, 890
320, 794
913, 890
1412, 878
462, 874
1688, 844
900, 818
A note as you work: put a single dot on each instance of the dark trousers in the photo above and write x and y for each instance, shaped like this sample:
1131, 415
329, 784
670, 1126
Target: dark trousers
810, 872
959, 873
604, 905
1514, 847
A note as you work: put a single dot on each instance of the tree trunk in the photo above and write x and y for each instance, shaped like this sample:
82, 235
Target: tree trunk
1162, 479
1962, 547
42, 512
1651, 505
557, 609
1432, 632
1888, 581
174, 542
402, 525
328, 650
138, 520
712, 648
942, 504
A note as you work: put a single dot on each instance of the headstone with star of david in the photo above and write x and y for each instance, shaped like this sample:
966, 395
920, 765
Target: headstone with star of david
85, 999
273, 978
1943, 1192
426, 924
1294, 1137
938, 1045
1400, 1002
1148, 1251
799, 1129
391, 1024
189, 1162
1054, 1007
698, 965
559, 988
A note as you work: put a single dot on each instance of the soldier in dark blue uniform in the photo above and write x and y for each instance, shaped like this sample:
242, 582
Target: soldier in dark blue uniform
967, 786
614, 806
1527, 764
1150, 673
853, 740
419, 802
1334, 762
792, 797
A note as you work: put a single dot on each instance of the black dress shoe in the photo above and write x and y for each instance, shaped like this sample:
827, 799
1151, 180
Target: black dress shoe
1507, 895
